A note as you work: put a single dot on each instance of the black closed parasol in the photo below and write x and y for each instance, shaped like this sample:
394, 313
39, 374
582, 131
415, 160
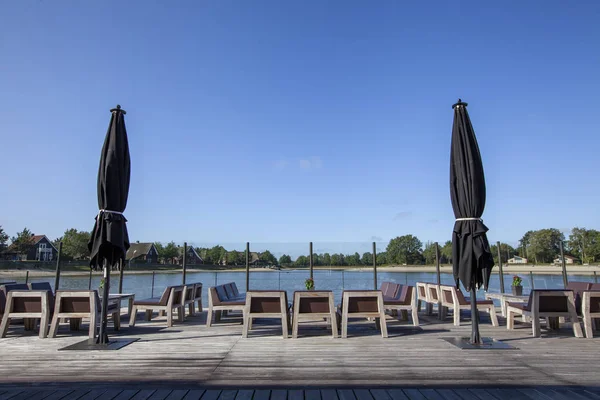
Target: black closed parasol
109, 241
471, 256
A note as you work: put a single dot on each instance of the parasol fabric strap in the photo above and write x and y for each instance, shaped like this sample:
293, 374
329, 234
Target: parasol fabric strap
469, 219
110, 212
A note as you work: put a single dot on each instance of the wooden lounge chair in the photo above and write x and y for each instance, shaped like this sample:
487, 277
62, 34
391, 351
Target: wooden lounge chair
578, 288
362, 304
189, 298
4, 289
218, 301
401, 298
423, 297
198, 295
78, 304
171, 299
590, 309
27, 304
266, 304
545, 304
312, 305
453, 298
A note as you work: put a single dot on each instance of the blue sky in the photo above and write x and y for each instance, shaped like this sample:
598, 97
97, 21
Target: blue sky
271, 121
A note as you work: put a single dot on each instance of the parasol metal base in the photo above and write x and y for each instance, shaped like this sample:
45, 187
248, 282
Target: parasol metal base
464, 343
90, 344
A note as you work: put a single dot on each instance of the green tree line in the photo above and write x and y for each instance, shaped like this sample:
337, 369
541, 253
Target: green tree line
539, 246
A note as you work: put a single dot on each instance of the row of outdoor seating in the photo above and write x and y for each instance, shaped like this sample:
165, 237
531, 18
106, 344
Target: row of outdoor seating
36, 303
580, 299
173, 298
448, 297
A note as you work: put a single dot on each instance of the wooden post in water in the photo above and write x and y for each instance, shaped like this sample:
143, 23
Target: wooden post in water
374, 266
247, 266
121, 267
310, 259
437, 264
26, 277
184, 261
564, 265
152, 293
57, 273
531, 279
500, 272
595, 277
90, 281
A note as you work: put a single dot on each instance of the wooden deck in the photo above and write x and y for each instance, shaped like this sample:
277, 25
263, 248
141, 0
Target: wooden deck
190, 356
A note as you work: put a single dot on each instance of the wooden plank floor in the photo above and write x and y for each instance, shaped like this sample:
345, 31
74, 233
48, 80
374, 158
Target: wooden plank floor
301, 394
190, 356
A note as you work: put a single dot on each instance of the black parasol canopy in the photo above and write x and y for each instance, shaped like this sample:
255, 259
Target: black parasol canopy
109, 240
471, 256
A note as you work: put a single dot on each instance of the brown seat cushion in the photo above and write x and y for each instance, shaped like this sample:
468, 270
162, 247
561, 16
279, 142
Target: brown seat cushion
520, 306
153, 301
233, 302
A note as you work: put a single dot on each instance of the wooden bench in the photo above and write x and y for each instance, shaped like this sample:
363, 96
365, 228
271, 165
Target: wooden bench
548, 304
78, 304
27, 304
362, 304
453, 299
590, 309
400, 298
219, 301
312, 305
171, 299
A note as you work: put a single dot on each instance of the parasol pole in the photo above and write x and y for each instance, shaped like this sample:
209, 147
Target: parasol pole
475, 337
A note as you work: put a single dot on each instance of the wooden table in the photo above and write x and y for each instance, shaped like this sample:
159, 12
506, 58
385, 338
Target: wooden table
313, 305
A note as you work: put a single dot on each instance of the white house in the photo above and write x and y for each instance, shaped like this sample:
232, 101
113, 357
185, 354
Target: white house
517, 260
568, 260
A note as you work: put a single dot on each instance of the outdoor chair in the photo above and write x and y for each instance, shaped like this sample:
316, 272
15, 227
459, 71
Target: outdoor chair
548, 304
362, 304
312, 305
198, 295
423, 297
29, 305
453, 298
401, 298
171, 299
590, 309
266, 304
78, 304
4, 289
218, 301
578, 288
189, 298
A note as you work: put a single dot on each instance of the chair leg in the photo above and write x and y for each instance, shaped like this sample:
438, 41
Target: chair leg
418, 305
54, 326
587, 324
284, 326
44, 325
383, 324
535, 326
344, 326
200, 306
493, 317
180, 313
92, 328
4, 325
117, 321
510, 320
149, 315
415, 316
456, 314
247, 319
132, 316
191, 309
209, 316
169, 317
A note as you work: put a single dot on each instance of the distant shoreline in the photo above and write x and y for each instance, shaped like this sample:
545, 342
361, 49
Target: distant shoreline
507, 269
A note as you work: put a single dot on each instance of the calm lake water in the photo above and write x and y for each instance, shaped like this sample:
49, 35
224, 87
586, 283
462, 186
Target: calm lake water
335, 280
